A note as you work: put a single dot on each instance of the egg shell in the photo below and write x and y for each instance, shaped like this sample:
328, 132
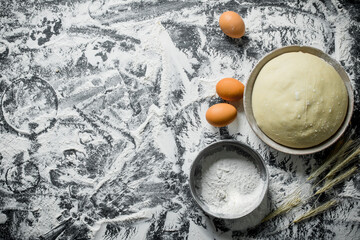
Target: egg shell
232, 24
230, 89
221, 114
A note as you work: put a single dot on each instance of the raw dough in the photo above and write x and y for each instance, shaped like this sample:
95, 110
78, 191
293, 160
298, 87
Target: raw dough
299, 100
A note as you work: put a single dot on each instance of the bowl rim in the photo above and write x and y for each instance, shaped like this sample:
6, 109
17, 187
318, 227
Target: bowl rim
248, 102
255, 156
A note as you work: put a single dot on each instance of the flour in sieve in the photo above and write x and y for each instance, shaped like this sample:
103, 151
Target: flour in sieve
230, 183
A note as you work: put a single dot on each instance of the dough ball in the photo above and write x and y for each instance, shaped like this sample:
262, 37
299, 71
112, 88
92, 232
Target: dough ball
299, 100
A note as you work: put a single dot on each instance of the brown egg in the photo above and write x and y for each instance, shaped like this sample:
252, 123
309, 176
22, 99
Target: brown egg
221, 114
232, 24
230, 89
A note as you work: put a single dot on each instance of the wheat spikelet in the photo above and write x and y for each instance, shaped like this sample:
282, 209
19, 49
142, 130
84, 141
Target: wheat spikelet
336, 180
291, 203
342, 164
331, 159
315, 211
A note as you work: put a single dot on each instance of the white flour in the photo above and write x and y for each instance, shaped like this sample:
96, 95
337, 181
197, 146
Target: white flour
193, 69
230, 183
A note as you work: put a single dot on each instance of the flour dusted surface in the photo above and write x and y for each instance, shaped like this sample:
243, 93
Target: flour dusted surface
141, 87
230, 183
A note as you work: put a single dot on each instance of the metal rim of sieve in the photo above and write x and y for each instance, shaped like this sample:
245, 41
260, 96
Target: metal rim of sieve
253, 156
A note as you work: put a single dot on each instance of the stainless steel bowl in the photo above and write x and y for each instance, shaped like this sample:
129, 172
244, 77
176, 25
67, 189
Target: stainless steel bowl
248, 104
241, 150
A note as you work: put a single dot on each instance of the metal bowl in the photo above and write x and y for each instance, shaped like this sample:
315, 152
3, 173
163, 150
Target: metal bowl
241, 150
248, 104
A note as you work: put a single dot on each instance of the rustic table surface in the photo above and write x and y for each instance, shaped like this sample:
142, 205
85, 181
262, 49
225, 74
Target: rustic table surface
103, 110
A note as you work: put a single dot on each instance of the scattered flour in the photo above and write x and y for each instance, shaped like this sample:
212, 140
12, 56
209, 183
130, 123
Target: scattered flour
153, 43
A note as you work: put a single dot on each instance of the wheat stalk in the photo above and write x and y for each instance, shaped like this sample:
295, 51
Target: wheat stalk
331, 159
342, 164
336, 180
295, 199
291, 203
315, 211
